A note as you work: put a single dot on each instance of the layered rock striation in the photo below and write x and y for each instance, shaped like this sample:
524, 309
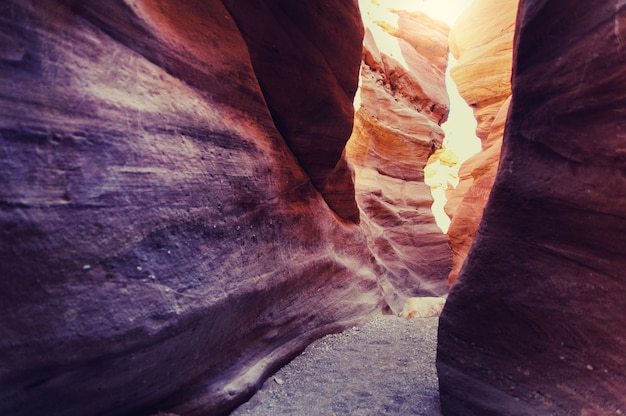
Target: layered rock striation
178, 215
535, 323
482, 42
161, 243
400, 105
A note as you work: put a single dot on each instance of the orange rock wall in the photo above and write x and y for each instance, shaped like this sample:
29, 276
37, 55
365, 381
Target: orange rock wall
400, 105
482, 42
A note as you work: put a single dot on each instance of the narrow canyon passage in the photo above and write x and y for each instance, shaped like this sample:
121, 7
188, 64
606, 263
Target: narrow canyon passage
386, 367
179, 213
191, 193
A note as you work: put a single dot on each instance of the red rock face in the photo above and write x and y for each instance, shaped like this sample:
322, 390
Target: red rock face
401, 102
160, 245
482, 41
308, 81
535, 323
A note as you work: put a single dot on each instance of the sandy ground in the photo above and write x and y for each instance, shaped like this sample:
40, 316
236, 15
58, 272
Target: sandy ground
386, 367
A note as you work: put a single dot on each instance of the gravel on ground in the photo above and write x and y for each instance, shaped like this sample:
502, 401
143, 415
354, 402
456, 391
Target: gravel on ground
386, 367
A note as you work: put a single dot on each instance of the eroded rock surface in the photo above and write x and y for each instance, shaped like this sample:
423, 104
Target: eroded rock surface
161, 248
314, 114
400, 105
535, 322
482, 42
177, 210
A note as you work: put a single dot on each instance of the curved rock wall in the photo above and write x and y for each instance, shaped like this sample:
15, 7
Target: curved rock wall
400, 105
160, 245
482, 41
535, 322
287, 40
178, 213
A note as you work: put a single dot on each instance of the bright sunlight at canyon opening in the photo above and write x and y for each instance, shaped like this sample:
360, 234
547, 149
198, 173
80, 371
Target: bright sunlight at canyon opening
460, 142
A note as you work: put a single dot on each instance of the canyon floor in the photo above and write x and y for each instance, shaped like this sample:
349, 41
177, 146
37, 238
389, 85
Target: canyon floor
384, 367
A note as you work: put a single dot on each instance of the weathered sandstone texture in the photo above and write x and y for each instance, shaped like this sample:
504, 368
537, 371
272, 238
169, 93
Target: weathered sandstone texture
535, 324
161, 244
482, 42
400, 105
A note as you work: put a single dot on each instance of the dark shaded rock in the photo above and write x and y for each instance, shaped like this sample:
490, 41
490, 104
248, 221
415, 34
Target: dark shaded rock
308, 81
535, 322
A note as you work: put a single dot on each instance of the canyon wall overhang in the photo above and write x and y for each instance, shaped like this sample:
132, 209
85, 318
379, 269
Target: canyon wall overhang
535, 323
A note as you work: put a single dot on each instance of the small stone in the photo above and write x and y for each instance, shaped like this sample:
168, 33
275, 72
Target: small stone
86, 267
279, 381
589, 367
619, 412
139, 268
70, 315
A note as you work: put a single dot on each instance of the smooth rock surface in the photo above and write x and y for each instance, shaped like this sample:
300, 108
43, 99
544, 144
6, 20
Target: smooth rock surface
535, 324
161, 248
177, 212
287, 40
482, 42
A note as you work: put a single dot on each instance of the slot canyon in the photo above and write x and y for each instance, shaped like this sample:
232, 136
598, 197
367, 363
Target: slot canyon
193, 192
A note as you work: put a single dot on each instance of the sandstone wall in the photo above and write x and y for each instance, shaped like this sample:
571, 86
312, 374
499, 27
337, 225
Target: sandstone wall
482, 42
161, 247
400, 105
178, 214
308, 81
535, 322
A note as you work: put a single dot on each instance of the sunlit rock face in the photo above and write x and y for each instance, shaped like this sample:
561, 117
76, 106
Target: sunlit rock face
161, 244
482, 41
535, 324
400, 105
